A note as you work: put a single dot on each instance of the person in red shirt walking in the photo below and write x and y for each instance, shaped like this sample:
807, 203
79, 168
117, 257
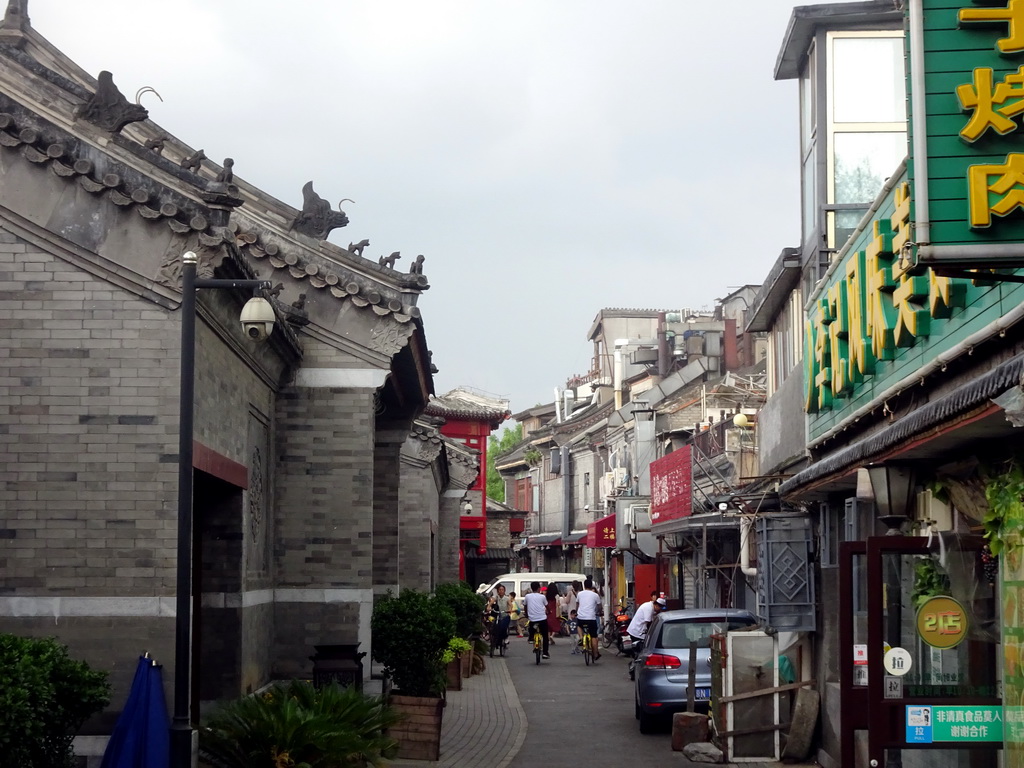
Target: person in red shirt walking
553, 612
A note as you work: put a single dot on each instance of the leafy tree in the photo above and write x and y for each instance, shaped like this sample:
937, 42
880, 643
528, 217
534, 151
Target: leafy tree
497, 445
45, 696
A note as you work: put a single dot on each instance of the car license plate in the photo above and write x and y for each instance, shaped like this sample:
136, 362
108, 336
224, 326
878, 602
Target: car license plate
702, 693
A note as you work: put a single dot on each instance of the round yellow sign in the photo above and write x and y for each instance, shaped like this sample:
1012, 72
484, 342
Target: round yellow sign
942, 622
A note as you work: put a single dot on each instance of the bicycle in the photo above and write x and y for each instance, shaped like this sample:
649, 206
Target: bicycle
588, 650
538, 640
498, 635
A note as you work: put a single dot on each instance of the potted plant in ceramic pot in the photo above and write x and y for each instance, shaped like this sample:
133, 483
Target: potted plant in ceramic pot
410, 635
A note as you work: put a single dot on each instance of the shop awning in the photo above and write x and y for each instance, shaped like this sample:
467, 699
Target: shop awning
544, 540
601, 533
576, 537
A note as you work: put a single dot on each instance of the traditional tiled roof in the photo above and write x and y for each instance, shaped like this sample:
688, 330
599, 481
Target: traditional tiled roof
464, 405
134, 172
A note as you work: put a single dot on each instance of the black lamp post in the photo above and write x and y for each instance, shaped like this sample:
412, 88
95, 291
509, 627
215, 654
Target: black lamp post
257, 324
893, 486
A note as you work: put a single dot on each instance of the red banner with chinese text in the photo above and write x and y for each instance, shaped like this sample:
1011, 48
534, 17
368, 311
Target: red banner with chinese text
601, 533
672, 486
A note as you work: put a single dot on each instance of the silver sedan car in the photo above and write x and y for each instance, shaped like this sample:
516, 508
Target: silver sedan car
662, 668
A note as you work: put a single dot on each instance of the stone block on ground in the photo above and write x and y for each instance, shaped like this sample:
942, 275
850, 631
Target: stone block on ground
805, 720
702, 752
688, 728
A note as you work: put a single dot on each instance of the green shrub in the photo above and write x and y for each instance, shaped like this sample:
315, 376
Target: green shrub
410, 634
467, 606
298, 725
45, 696
455, 648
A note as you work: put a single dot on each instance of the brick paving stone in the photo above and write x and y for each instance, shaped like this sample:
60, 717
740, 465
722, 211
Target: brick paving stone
485, 725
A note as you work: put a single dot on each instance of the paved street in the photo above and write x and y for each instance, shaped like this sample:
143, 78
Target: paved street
519, 715
581, 715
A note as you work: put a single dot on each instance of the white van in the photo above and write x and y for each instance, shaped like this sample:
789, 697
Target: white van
520, 582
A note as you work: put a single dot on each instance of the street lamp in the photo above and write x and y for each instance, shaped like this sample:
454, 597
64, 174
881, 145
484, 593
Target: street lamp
893, 487
257, 323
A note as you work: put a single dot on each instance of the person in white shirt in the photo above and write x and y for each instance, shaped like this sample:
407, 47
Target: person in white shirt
643, 617
536, 605
588, 608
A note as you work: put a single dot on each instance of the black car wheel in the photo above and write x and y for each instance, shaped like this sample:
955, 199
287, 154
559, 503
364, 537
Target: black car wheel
648, 723
636, 707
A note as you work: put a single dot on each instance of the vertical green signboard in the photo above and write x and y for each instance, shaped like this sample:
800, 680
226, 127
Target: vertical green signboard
972, 55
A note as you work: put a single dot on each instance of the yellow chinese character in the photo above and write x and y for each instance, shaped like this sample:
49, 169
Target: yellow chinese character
838, 332
882, 315
862, 360
910, 298
983, 98
900, 219
945, 294
1012, 14
816, 398
1009, 177
823, 353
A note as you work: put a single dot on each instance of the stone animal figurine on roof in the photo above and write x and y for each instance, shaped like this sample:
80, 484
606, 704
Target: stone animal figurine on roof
317, 218
109, 109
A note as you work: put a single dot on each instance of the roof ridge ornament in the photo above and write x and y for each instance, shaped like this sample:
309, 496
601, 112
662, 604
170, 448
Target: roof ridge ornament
317, 219
108, 108
16, 15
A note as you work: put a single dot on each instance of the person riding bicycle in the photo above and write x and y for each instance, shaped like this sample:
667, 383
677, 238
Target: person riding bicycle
588, 609
536, 605
499, 604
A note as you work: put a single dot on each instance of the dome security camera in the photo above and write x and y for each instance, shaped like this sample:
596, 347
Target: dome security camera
258, 319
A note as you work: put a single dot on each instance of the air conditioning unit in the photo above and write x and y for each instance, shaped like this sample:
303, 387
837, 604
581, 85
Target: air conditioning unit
640, 518
606, 484
933, 512
620, 475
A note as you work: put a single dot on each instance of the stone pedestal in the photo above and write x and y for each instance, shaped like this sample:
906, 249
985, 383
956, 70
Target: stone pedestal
688, 728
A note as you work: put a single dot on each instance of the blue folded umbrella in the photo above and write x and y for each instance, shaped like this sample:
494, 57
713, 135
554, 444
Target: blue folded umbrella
140, 738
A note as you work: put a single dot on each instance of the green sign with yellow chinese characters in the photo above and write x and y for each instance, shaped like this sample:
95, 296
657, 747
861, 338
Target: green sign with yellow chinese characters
881, 320
973, 55
877, 317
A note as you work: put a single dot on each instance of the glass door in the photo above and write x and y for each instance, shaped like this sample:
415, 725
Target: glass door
932, 654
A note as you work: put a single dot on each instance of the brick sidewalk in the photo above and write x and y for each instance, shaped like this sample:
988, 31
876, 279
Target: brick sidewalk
483, 724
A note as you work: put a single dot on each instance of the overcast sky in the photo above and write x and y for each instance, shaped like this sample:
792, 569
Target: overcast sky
548, 157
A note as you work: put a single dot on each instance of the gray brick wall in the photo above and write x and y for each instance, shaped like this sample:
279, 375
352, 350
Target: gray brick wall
324, 472
88, 432
88, 461
418, 525
387, 471
301, 626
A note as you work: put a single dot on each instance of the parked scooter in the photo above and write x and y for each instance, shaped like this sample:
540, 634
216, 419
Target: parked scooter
623, 641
